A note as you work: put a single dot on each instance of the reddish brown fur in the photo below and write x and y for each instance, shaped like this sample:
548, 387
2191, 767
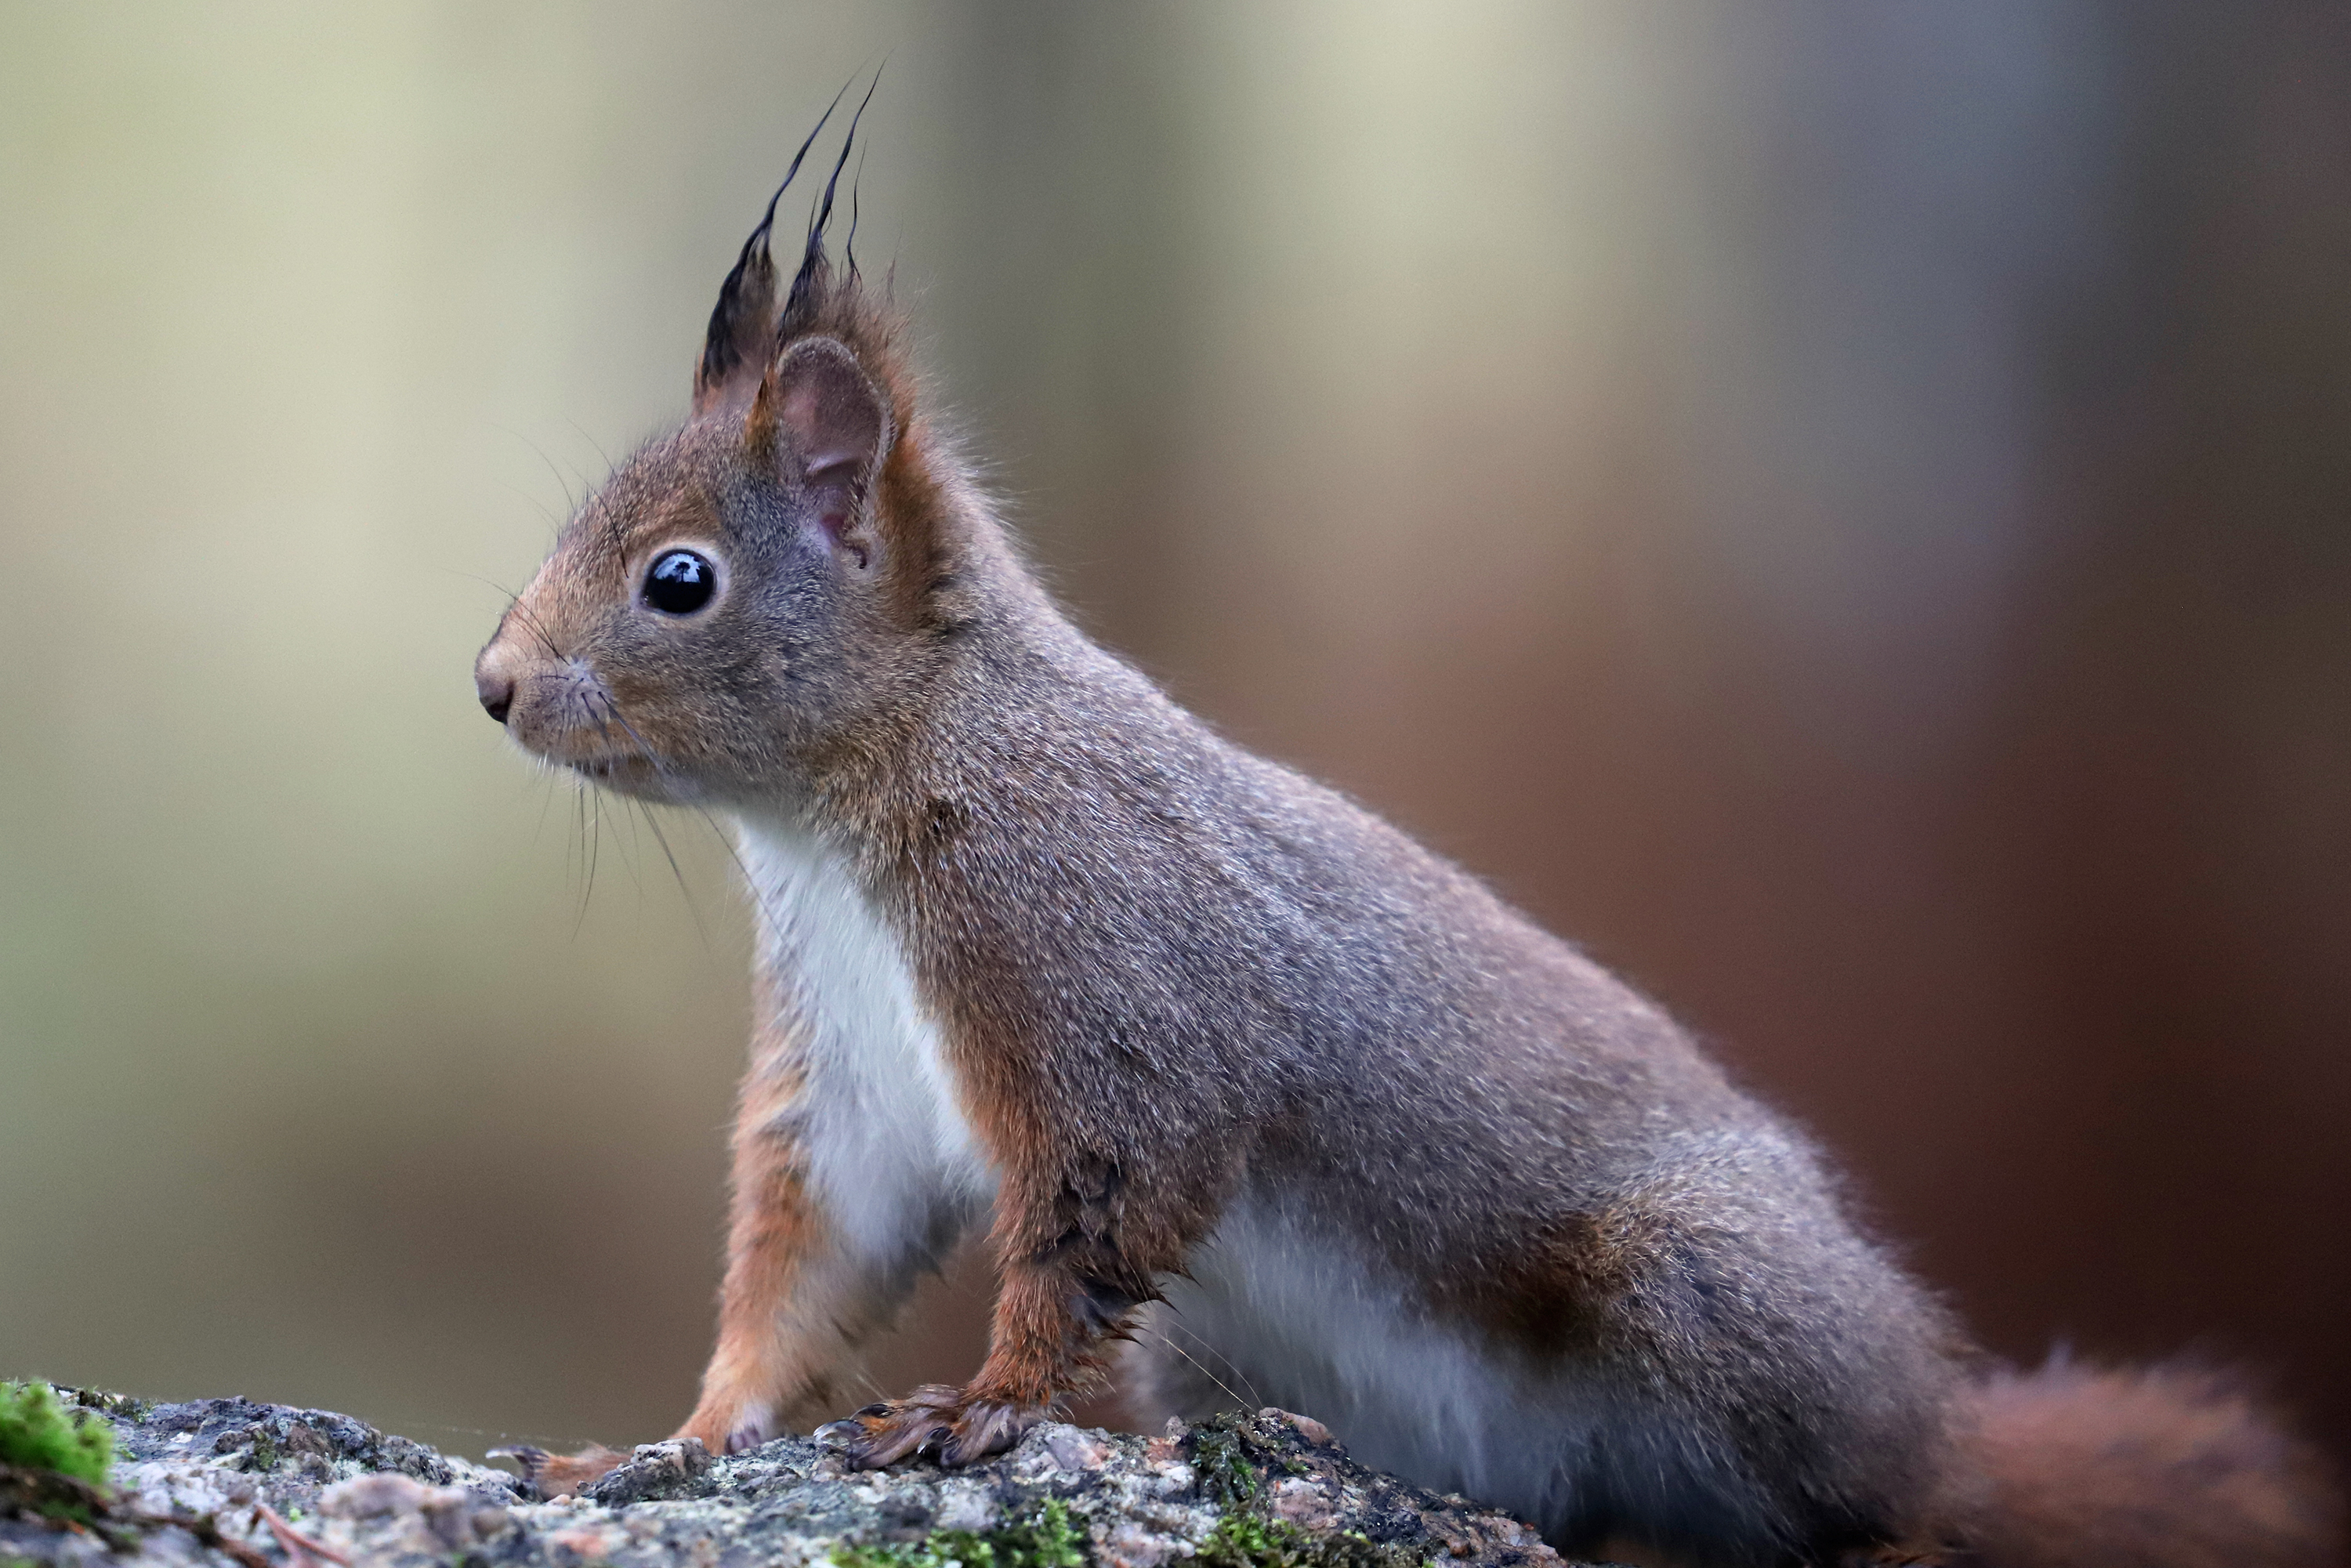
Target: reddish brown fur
2154, 1467
772, 1232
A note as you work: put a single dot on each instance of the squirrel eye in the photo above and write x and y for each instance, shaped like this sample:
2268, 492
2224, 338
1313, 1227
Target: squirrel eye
680, 582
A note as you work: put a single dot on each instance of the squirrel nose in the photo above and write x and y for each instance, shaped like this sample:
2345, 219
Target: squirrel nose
497, 693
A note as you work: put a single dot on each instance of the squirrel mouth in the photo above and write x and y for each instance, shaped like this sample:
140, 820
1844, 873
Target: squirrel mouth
599, 763
633, 774
630, 773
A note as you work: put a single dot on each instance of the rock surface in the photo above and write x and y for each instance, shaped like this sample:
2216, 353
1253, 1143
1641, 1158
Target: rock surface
195, 1484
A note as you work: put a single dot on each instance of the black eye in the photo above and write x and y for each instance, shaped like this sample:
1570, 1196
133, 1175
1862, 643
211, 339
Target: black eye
680, 582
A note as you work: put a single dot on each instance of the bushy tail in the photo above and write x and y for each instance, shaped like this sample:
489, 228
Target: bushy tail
2157, 1468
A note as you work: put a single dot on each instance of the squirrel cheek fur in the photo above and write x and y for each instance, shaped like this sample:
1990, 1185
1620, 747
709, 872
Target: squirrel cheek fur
1250, 1089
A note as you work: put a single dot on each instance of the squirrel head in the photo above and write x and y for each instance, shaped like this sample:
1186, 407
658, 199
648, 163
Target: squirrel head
769, 582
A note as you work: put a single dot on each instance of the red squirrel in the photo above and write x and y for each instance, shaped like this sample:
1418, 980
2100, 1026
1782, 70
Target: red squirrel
1248, 1085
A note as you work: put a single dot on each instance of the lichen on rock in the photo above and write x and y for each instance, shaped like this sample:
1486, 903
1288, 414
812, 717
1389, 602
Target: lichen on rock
195, 1486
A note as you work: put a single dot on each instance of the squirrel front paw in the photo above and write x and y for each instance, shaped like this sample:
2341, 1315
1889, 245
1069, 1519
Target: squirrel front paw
750, 1425
726, 1423
935, 1420
747, 1435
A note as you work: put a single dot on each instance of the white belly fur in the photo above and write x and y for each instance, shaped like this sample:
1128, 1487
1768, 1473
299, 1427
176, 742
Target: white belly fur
1283, 1316
892, 1157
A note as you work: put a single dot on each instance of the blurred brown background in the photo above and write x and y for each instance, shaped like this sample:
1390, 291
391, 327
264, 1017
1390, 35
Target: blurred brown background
1844, 509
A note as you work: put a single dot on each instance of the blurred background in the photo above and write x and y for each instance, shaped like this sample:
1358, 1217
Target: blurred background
1844, 510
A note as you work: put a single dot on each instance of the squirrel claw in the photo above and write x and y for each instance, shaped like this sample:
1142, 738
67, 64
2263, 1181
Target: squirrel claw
988, 1427
835, 1436
560, 1475
934, 1420
884, 1434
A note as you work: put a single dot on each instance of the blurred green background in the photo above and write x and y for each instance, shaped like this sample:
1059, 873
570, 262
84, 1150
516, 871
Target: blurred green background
1847, 510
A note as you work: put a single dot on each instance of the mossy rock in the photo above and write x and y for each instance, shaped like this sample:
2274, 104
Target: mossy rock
191, 1483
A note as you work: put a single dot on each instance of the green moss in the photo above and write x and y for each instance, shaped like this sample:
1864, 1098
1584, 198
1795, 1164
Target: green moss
1045, 1538
1231, 1457
121, 1405
39, 1433
1246, 1541
1221, 1458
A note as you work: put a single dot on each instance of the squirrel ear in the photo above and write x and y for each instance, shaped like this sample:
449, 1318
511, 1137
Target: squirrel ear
827, 426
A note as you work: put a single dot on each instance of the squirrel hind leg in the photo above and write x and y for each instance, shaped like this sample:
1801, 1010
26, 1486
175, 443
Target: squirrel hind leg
891, 1429
561, 1475
944, 1423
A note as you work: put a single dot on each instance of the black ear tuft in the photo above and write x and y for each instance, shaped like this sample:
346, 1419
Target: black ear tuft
741, 325
813, 265
849, 244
